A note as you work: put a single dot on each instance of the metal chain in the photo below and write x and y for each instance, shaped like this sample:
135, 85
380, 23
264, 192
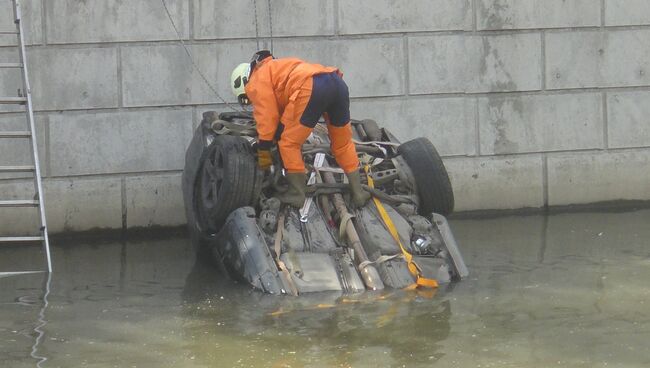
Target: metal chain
270, 24
257, 31
189, 54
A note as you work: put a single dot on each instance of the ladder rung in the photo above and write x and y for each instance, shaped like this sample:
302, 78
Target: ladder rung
10, 65
17, 168
13, 100
19, 203
18, 134
8, 32
14, 239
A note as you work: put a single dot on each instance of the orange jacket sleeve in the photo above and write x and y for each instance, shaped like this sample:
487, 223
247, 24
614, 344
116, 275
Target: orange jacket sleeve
265, 105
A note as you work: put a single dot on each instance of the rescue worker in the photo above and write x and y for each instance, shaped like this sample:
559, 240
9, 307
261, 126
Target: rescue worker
289, 96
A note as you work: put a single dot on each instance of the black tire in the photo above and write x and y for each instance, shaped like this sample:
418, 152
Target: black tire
372, 130
227, 179
431, 178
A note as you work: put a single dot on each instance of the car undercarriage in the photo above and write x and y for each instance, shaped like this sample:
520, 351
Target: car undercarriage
399, 239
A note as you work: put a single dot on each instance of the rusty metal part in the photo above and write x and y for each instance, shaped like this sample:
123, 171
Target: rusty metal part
405, 173
384, 176
326, 206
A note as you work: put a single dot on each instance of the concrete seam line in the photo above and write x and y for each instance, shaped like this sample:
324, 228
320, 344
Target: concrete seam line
110, 175
353, 36
543, 61
474, 17
328, 38
407, 66
44, 22
421, 96
124, 210
120, 79
337, 22
48, 151
190, 11
477, 125
605, 114
545, 179
92, 177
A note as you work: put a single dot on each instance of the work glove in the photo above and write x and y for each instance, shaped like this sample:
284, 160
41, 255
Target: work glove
264, 159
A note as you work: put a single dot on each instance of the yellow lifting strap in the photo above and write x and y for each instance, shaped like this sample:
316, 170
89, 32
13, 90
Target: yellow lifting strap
420, 281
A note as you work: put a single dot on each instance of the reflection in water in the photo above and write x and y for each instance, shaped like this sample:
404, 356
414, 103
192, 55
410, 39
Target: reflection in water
41, 322
568, 290
9, 274
323, 329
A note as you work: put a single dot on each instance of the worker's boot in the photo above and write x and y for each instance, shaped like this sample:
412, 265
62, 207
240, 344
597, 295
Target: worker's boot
295, 195
358, 194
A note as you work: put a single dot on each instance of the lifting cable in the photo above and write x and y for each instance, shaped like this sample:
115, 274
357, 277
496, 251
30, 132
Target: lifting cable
189, 54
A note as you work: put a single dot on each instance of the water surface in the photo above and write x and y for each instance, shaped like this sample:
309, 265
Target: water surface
567, 290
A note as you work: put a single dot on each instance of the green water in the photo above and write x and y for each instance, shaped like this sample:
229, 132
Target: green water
568, 290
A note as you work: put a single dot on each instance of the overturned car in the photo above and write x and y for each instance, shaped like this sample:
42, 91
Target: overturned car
399, 239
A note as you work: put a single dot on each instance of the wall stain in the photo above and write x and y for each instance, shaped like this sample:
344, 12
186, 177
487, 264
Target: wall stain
490, 61
496, 107
497, 15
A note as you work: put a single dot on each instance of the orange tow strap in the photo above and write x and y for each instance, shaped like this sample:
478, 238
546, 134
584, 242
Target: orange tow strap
420, 281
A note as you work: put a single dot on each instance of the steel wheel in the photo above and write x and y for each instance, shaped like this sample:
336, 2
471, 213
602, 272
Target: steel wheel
227, 180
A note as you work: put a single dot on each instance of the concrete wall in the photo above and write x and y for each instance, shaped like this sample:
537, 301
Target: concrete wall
532, 102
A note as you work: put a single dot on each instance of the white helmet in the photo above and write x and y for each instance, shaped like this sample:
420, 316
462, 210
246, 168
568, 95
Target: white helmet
238, 81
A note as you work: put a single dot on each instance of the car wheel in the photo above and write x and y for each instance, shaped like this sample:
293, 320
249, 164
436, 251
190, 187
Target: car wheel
227, 179
431, 178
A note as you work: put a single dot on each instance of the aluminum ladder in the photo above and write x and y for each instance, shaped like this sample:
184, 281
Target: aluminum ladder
25, 99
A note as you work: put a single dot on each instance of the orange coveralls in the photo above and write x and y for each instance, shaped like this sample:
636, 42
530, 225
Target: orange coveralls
280, 91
